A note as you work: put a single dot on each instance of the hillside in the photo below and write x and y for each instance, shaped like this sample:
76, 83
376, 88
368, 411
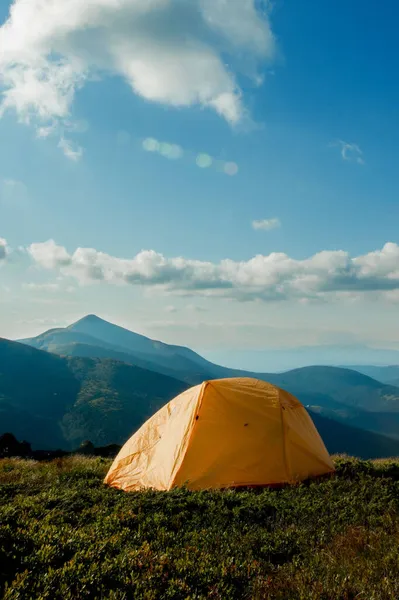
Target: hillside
94, 337
318, 385
98, 335
357, 442
389, 374
193, 376
59, 402
62, 401
66, 536
332, 386
378, 422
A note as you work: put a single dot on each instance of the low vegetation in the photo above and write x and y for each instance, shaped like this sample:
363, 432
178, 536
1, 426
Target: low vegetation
64, 535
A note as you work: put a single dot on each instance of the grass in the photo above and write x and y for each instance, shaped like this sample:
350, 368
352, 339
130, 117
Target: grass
64, 535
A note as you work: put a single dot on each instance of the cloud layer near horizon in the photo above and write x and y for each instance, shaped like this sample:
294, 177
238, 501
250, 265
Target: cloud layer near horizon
173, 52
269, 278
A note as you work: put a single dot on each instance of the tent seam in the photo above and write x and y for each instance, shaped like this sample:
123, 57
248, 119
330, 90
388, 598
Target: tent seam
288, 474
191, 429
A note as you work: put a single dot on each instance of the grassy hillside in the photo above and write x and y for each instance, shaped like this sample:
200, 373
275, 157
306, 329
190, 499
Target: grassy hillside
59, 402
66, 536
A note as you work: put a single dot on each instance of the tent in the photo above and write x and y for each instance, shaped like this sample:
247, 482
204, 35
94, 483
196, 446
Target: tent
223, 433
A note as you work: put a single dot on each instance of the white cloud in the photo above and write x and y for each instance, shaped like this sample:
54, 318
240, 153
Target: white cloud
49, 255
266, 224
3, 249
350, 152
273, 277
71, 150
169, 51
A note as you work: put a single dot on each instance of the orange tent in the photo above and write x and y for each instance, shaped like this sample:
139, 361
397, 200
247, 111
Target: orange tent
223, 433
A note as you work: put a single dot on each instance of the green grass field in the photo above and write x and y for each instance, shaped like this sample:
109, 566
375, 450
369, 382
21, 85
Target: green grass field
64, 535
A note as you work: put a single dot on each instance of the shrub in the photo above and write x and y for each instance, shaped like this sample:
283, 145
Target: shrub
64, 535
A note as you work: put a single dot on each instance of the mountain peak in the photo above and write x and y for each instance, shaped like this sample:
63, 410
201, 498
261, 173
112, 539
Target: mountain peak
90, 319
109, 332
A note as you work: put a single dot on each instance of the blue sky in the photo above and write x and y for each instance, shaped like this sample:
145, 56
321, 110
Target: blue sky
307, 109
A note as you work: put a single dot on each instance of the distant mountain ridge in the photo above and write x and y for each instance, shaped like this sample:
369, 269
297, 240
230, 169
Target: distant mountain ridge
319, 385
181, 362
340, 395
61, 401
95, 333
388, 374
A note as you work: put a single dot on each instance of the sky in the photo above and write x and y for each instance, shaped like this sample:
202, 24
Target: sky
221, 174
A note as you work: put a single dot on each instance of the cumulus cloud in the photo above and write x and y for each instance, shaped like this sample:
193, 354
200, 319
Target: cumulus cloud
71, 150
266, 224
172, 52
273, 277
350, 152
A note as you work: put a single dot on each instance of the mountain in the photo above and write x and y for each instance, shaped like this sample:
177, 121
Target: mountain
94, 335
56, 402
285, 359
91, 351
377, 422
389, 374
341, 438
330, 387
338, 393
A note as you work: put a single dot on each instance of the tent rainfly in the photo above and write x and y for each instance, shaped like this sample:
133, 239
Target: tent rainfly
220, 434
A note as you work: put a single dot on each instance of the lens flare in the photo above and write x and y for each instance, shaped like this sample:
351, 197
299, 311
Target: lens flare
230, 168
151, 145
173, 152
204, 161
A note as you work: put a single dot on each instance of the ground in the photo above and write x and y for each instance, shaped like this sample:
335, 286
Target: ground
64, 535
